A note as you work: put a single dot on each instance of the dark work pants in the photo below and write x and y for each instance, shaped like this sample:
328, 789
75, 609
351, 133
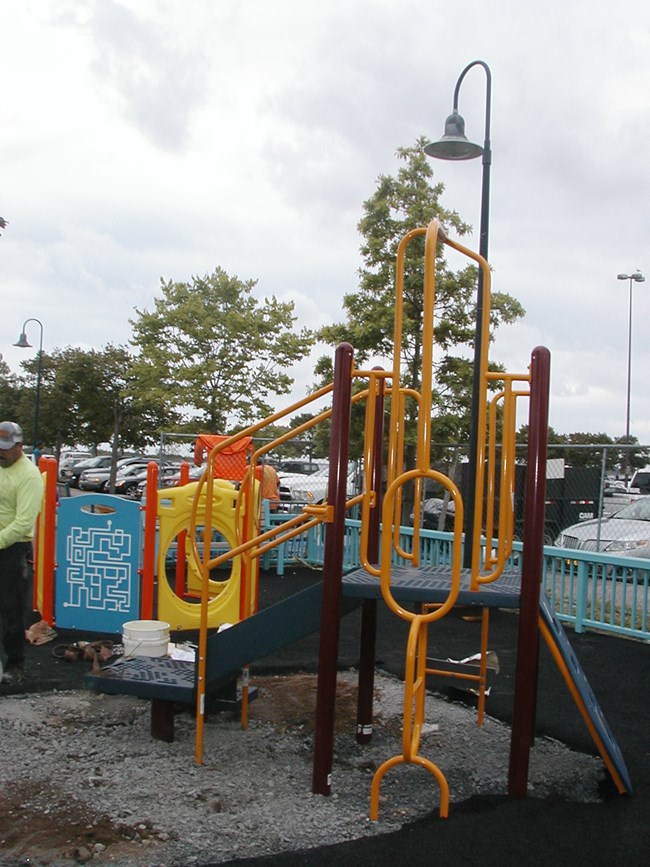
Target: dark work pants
14, 587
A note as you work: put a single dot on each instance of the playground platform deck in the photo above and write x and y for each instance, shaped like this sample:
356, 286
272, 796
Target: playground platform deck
431, 584
167, 682
170, 680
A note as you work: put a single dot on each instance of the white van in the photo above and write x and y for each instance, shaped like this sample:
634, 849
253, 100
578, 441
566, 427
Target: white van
640, 481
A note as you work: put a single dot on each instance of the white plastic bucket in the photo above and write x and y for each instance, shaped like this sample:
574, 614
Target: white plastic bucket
145, 638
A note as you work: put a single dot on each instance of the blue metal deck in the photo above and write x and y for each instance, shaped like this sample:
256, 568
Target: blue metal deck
432, 583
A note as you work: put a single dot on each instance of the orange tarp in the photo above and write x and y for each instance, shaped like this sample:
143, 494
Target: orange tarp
230, 463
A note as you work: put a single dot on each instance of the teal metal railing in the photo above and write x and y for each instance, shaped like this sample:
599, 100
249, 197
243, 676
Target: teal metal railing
588, 590
599, 591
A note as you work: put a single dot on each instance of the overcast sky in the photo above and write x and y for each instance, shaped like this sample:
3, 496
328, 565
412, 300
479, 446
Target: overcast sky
149, 138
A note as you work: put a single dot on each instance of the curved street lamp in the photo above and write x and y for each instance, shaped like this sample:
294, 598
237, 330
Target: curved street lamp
635, 277
23, 343
454, 145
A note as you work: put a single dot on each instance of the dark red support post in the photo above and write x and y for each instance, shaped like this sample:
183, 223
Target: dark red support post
525, 698
332, 572
369, 609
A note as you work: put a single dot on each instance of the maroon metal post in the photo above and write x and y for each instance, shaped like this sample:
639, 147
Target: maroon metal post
369, 608
332, 572
525, 697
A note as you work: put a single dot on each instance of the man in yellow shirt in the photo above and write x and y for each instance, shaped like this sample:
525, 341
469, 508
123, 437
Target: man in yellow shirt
21, 492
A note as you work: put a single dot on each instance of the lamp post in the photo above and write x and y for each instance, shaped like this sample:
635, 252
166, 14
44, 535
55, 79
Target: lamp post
23, 343
635, 277
455, 146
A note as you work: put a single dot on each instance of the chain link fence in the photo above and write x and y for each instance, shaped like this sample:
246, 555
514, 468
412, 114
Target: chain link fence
586, 485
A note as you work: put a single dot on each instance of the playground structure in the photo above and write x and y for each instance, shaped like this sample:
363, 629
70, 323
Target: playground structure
102, 559
417, 594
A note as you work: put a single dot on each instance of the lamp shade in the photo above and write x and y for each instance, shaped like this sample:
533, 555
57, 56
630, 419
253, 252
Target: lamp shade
23, 342
454, 145
637, 276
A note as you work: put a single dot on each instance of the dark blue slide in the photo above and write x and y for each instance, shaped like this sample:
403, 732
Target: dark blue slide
567, 662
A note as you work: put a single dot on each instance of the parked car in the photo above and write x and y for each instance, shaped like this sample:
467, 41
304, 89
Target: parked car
312, 488
70, 456
640, 482
614, 487
431, 511
70, 475
170, 480
302, 466
97, 478
128, 481
625, 532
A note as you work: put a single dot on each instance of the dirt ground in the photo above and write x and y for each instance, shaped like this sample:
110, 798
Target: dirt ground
35, 829
29, 835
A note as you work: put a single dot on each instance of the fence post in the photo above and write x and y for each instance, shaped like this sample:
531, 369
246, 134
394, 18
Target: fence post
581, 595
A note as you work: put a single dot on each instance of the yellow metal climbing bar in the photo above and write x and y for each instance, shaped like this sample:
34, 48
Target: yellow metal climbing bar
413, 718
500, 477
416, 667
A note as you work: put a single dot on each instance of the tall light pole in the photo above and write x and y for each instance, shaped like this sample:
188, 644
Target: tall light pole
23, 343
455, 146
635, 277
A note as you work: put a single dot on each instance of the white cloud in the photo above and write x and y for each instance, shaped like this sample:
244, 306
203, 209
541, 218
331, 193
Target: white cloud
156, 139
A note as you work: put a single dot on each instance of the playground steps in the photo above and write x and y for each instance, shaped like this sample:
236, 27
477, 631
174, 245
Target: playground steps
166, 682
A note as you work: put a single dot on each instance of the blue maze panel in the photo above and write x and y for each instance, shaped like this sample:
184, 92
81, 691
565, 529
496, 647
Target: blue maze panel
98, 550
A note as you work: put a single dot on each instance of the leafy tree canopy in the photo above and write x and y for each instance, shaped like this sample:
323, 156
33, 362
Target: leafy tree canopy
9, 393
577, 451
402, 202
211, 348
92, 396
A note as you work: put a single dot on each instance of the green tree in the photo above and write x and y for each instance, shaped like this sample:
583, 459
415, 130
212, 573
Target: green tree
402, 202
58, 418
553, 437
10, 389
89, 397
629, 459
211, 348
580, 454
576, 449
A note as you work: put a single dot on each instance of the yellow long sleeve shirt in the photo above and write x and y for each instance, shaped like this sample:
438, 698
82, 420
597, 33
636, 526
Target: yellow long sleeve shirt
21, 493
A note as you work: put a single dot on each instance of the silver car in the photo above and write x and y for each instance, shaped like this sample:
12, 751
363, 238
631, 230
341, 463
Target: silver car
625, 532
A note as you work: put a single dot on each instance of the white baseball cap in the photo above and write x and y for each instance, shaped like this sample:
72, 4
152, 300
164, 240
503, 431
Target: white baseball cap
10, 434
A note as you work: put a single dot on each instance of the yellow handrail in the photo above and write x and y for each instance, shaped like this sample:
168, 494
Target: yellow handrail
388, 518
493, 566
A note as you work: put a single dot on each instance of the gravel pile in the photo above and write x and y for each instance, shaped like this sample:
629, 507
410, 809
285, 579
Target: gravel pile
83, 781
